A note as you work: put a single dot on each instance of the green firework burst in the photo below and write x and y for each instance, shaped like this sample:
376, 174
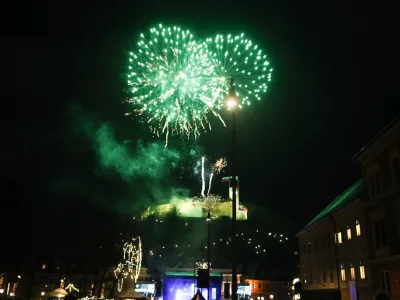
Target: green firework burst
171, 82
239, 58
175, 80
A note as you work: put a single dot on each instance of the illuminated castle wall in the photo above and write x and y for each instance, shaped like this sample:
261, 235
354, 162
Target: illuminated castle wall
189, 208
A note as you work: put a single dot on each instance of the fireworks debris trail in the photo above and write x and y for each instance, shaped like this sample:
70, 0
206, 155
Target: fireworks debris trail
203, 184
209, 184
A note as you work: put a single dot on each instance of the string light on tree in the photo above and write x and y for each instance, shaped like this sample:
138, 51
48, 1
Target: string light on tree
71, 288
210, 202
131, 262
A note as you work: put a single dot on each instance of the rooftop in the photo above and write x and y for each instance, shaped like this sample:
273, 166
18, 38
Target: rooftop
376, 137
350, 194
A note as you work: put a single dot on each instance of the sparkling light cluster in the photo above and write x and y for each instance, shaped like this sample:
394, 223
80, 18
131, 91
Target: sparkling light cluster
219, 165
238, 58
253, 241
209, 202
176, 80
131, 262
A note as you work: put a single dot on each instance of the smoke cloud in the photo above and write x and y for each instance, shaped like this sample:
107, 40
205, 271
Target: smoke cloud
152, 160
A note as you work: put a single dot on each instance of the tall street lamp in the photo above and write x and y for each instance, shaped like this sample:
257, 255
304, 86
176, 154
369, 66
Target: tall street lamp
208, 254
232, 102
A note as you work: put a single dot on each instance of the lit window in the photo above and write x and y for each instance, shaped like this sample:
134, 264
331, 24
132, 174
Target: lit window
348, 233
352, 272
343, 273
338, 237
362, 272
44, 266
358, 228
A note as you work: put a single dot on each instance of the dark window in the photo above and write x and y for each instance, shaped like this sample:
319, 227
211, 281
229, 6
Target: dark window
331, 274
396, 170
328, 239
371, 186
385, 282
309, 248
380, 234
324, 276
378, 183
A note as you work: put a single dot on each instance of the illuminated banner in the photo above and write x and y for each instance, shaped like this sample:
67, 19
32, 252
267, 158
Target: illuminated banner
202, 265
145, 288
244, 290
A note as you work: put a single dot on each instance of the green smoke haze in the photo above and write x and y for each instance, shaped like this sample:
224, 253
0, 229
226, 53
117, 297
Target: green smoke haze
152, 160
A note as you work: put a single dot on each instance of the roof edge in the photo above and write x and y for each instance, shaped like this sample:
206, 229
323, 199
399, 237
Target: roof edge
376, 137
352, 188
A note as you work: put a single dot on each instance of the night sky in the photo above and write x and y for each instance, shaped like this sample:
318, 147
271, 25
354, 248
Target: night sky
334, 87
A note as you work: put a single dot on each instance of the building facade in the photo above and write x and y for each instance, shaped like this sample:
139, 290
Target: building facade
380, 164
36, 285
334, 250
268, 289
181, 283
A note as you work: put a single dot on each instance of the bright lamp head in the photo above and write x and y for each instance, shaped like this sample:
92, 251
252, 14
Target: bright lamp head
232, 100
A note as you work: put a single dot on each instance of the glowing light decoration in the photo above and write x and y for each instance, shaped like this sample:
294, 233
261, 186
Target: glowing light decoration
172, 83
239, 58
131, 262
71, 288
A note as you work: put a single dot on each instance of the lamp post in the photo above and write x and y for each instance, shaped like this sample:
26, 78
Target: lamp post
232, 102
208, 254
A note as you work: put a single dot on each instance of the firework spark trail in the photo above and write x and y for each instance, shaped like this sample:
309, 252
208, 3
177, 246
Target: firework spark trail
239, 58
169, 78
203, 184
209, 184
219, 165
175, 80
